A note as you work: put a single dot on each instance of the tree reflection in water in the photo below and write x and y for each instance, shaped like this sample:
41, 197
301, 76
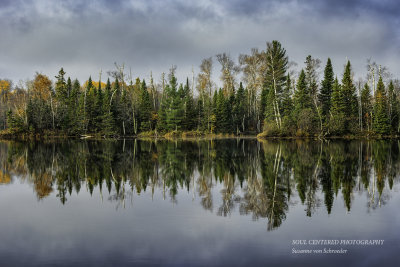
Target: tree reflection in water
257, 178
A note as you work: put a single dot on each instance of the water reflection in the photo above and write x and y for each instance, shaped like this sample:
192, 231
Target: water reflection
259, 179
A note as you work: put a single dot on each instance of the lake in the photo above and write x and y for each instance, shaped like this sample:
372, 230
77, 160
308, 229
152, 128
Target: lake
226, 202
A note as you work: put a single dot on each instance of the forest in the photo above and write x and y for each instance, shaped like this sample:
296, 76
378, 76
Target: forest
260, 94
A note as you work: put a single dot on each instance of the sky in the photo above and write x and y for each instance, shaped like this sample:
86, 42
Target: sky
86, 37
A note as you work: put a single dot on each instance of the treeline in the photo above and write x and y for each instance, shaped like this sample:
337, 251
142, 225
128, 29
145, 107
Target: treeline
269, 98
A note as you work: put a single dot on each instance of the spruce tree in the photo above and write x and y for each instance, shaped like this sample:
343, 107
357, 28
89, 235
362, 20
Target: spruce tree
175, 112
326, 90
350, 100
337, 112
61, 88
89, 103
304, 110
171, 111
73, 108
366, 107
98, 111
239, 110
287, 102
381, 119
263, 106
220, 111
107, 120
189, 107
302, 97
145, 108
287, 107
62, 119
393, 108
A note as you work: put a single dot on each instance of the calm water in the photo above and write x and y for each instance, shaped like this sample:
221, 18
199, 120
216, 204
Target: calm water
203, 203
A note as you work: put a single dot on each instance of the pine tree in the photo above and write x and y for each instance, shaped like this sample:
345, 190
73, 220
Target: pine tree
381, 118
326, 90
275, 78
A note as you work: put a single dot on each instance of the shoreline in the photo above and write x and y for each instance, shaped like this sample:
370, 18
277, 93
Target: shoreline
186, 136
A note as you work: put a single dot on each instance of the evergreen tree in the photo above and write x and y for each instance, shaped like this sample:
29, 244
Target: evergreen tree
175, 112
107, 120
326, 90
62, 102
145, 108
171, 111
337, 118
98, 111
116, 106
366, 107
90, 101
393, 108
69, 87
304, 111
302, 97
274, 79
229, 104
82, 114
61, 88
189, 108
263, 106
287, 107
239, 110
287, 103
220, 111
73, 108
381, 118
350, 100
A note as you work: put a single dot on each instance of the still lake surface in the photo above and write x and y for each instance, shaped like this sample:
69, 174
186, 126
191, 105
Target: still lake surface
228, 202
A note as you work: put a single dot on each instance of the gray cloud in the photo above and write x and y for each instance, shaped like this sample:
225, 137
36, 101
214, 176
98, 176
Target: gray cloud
86, 36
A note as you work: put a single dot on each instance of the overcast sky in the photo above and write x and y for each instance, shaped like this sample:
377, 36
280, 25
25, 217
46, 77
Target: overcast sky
149, 35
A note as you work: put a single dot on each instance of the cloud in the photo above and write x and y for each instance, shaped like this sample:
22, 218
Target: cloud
86, 36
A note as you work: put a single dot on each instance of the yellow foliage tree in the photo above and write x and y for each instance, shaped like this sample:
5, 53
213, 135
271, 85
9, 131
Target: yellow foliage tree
41, 87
